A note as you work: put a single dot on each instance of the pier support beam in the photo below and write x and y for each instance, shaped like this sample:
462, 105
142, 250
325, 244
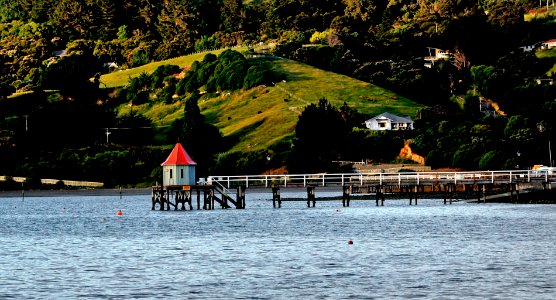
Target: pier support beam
276, 196
311, 196
380, 195
240, 197
346, 195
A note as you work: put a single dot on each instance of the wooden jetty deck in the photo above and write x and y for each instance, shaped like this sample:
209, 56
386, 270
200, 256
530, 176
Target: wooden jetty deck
176, 195
480, 186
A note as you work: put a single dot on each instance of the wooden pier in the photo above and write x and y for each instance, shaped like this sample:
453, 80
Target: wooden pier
480, 186
182, 197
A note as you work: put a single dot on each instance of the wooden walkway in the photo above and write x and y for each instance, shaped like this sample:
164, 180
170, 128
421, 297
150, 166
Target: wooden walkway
478, 186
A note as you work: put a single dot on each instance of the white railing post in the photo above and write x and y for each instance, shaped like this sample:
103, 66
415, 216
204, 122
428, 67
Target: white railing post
342, 179
246, 181
418, 178
455, 178
285, 180
228, 179
510, 177
492, 177
266, 181
361, 179
304, 180
323, 174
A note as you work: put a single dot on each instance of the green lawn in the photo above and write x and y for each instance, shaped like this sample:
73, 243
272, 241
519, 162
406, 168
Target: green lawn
121, 78
548, 54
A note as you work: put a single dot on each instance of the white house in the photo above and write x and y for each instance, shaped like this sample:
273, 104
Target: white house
388, 121
549, 44
436, 54
178, 168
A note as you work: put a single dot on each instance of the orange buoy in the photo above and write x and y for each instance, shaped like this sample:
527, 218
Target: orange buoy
120, 212
350, 242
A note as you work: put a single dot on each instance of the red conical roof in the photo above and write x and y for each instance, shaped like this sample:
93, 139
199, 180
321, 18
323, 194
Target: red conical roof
179, 157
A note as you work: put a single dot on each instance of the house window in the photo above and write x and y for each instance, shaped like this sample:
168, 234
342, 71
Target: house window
171, 174
181, 173
381, 125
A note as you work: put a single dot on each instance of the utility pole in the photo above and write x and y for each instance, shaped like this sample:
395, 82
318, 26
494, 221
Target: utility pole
107, 134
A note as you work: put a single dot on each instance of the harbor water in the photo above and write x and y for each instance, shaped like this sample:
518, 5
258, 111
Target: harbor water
79, 247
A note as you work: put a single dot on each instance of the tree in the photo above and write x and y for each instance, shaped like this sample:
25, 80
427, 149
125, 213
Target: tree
71, 74
201, 139
320, 134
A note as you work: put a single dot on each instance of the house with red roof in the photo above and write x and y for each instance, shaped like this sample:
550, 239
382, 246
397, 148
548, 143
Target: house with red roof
549, 44
178, 168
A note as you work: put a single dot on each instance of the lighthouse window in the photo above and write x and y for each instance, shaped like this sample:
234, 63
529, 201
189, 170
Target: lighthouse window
170, 173
181, 173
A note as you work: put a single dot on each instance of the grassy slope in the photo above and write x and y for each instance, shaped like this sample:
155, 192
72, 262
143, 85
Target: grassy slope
121, 78
260, 117
548, 54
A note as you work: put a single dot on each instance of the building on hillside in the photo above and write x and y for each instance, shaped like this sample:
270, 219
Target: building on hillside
531, 47
388, 121
178, 168
549, 44
436, 54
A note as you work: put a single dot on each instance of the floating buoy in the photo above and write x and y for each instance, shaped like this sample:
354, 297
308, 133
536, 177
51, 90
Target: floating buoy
350, 242
337, 210
120, 212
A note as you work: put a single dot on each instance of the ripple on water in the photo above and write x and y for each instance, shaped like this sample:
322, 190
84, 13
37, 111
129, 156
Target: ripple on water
80, 248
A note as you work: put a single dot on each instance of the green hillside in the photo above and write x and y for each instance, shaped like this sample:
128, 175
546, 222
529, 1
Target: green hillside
121, 78
263, 116
260, 117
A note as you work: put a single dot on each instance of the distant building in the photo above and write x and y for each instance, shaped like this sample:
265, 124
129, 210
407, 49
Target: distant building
178, 168
59, 53
528, 48
111, 65
549, 44
388, 121
436, 54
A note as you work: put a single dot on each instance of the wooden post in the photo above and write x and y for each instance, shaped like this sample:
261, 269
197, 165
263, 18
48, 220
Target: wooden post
276, 196
168, 200
379, 195
189, 197
211, 199
416, 193
346, 195
310, 196
199, 199
162, 199
153, 197
240, 197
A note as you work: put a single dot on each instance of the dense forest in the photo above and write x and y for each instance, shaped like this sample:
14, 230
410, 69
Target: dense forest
53, 52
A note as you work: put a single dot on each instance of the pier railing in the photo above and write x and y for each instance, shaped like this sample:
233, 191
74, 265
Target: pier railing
335, 179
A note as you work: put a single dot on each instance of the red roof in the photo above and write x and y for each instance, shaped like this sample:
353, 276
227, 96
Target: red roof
179, 157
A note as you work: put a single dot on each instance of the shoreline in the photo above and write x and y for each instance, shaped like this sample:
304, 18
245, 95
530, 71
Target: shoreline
80, 192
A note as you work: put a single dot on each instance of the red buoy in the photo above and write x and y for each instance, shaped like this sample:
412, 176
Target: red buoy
120, 212
350, 242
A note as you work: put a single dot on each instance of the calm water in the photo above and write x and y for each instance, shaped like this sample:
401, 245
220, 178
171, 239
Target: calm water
79, 248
